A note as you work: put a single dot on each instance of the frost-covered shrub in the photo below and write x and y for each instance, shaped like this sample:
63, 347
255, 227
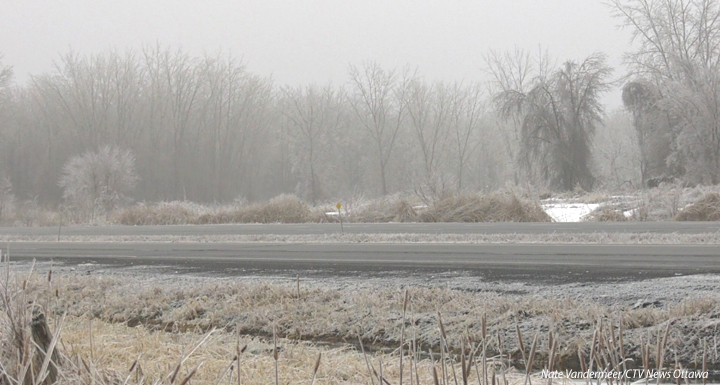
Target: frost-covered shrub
98, 181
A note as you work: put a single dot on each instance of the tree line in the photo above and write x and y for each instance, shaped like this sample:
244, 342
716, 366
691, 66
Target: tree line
673, 89
204, 128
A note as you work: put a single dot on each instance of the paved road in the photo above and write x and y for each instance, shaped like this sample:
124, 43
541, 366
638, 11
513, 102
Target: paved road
375, 228
527, 262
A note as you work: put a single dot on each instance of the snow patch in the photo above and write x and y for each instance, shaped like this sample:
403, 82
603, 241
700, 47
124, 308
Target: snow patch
569, 212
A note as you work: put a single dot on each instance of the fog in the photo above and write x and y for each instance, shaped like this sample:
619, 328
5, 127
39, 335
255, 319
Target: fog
166, 100
301, 42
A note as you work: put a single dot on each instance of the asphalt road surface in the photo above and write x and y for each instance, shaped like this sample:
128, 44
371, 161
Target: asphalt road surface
374, 228
495, 262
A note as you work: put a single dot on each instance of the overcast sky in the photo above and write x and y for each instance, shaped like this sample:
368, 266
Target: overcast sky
298, 42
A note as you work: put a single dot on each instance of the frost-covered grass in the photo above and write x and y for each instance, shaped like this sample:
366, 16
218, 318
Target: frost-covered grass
706, 208
495, 207
281, 209
664, 203
658, 204
135, 328
558, 238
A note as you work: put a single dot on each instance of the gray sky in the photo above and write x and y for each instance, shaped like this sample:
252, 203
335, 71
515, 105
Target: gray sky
298, 42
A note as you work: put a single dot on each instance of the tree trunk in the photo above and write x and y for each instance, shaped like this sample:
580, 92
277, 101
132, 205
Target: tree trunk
382, 176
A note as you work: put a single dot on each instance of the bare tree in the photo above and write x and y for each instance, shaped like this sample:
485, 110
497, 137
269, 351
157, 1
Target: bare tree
312, 114
6, 76
429, 109
233, 104
174, 77
81, 87
377, 100
466, 113
126, 78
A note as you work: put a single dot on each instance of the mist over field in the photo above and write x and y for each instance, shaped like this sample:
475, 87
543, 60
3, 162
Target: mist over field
223, 104
338, 172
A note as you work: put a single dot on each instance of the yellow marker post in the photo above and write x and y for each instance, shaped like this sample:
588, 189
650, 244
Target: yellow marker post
339, 206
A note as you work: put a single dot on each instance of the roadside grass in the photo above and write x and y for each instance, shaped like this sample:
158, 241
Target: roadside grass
395, 208
284, 209
143, 330
607, 238
606, 214
662, 203
28, 214
495, 207
706, 208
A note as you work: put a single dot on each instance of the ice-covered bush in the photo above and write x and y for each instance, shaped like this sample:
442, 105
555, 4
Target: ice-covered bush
97, 181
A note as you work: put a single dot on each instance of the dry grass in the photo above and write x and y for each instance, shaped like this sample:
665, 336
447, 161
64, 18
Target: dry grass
403, 211
668, 200
657, 204
159, 318
30, 213
385, 211
706, 208
116, 346
97, 351
606, 214
281, 209
474, 238
662, 203
121, 354
162, 213
395, 208
496, 207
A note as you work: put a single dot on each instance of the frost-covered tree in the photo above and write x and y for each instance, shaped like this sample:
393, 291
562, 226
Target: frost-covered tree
559, 113
513, 72
98, 180
312, 115
377, 98
618, 157
7, 198
654, 129
466, 121
677, 58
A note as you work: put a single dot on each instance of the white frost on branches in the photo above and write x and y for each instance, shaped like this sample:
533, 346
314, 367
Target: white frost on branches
98, 181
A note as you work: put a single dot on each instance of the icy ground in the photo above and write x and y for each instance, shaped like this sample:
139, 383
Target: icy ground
569, 212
